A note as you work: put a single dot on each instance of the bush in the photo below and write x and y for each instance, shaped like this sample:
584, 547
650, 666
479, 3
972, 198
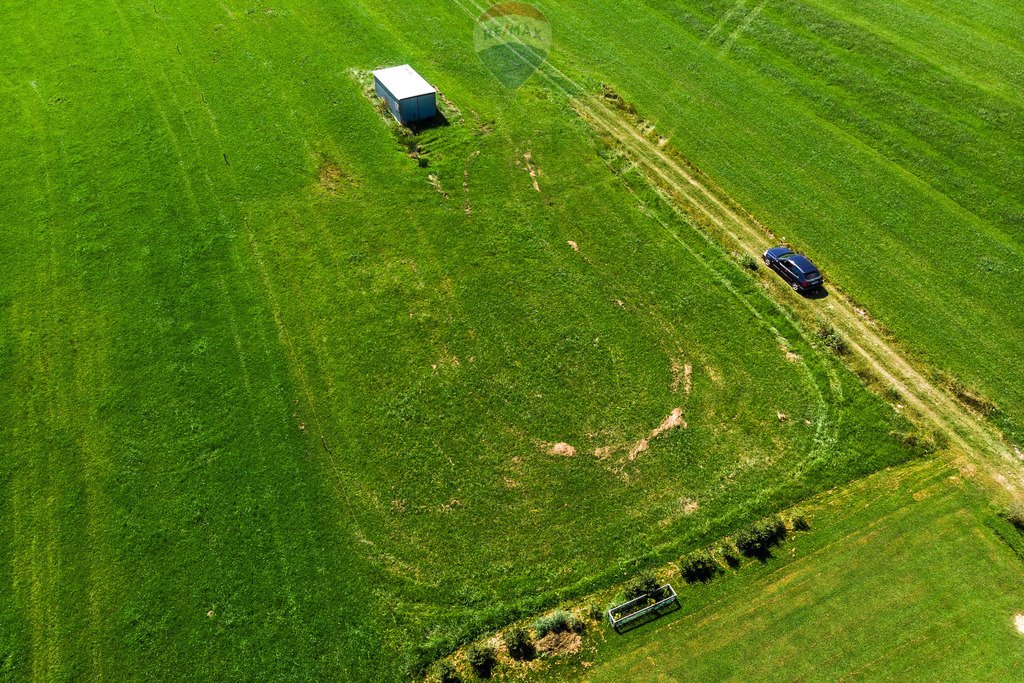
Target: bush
728, 553
1015, 516
749, 262
758, 539
645, 584
595, 612
482, 658
518, 643
446, 672
833, 340
800, 523
698, 566
556, 622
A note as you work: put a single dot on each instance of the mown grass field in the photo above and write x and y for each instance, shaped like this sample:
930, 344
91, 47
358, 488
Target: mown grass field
903, 568
884, 138
279, 399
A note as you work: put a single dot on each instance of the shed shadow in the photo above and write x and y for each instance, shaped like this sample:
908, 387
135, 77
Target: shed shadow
439, 120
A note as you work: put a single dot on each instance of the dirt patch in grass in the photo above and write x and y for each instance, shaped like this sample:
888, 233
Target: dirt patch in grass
451, 505
573, 245
331, 179
532, 168
673, 421
638, 448
562, 448
682, 377
435, 183
1018, 621
563, 643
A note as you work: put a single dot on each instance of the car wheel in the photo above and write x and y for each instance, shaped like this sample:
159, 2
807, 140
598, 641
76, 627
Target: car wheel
768, 262
796, 287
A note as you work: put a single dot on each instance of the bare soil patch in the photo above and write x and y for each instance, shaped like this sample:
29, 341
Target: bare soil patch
673, 421
331, 179
532, 168
682, 377
435, 183
563, 643
638, 448
562, 448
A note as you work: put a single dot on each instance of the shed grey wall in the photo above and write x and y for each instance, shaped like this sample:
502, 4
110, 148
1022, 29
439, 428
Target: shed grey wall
388, 98
418, 108
408, 110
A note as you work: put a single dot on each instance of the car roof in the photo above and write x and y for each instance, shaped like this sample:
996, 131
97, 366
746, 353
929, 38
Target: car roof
802, 262
779, 251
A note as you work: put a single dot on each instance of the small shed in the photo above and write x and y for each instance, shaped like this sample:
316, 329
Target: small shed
409, 97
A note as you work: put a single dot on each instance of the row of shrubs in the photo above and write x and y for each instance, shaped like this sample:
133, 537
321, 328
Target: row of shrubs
756, 541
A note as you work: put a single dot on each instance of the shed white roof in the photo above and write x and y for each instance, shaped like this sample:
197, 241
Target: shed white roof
403, 82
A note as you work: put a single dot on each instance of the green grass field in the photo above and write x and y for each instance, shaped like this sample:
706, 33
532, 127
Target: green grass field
867, 133
898, 570
280, 397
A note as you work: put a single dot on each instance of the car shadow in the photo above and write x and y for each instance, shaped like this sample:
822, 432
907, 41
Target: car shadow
819, 293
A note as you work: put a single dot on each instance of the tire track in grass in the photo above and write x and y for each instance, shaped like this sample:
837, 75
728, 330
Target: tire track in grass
30, 505
228, 304
973, 439
59, 397
89, 370
247, 258
754, 14
721, 23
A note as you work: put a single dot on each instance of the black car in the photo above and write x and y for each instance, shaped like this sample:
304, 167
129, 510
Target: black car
796, 269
